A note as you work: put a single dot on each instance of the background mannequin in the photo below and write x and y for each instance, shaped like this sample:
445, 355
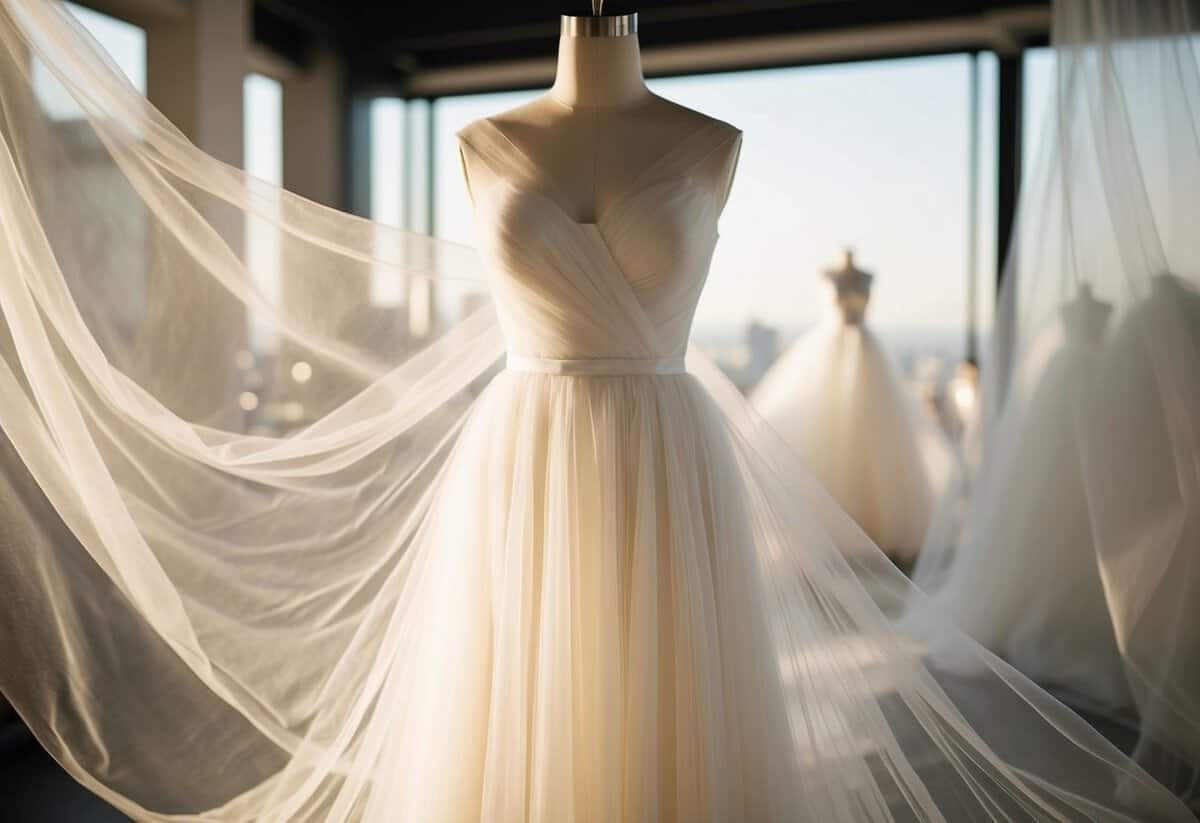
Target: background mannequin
599, 126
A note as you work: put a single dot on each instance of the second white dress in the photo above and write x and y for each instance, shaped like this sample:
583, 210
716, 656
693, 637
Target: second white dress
838, 399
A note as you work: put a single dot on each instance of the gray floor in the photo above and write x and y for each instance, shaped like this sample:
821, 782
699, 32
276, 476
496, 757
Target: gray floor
33, 789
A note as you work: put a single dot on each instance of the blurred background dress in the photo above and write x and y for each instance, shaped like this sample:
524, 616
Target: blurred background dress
837, 398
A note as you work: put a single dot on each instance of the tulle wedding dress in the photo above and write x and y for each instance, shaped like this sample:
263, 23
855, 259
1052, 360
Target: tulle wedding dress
836, 397
596, 588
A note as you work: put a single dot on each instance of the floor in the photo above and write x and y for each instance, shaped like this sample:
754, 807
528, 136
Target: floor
33, 789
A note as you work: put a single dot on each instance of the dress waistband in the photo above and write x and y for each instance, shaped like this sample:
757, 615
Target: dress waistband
596, 366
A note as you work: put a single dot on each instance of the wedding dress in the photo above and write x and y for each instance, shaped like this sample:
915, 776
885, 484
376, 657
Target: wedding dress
836, 398
593, 587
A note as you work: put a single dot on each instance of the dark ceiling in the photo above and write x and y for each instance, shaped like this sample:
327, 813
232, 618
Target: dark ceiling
390, 40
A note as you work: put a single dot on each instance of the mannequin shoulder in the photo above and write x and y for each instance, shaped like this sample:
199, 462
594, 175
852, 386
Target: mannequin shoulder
676, 115
533, 116
718, 149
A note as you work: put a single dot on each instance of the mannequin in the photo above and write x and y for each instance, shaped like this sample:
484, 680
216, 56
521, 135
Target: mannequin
599, 125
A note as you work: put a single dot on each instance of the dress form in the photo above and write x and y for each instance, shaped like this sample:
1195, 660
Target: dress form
599, 126
851, 289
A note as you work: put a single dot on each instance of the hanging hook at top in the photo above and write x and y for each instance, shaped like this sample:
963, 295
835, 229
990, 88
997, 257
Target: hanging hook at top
597, 7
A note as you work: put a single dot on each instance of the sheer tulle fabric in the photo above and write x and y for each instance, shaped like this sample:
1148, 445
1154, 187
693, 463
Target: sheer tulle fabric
435, 596
1086, 507
1045, 613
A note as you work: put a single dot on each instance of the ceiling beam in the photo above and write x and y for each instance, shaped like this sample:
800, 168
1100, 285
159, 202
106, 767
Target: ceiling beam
141, 13
1003, 31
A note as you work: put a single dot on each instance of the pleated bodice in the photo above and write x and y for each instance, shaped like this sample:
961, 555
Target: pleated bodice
624, 287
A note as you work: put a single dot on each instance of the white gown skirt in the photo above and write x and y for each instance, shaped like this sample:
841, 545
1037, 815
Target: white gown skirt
837, 399
620, 613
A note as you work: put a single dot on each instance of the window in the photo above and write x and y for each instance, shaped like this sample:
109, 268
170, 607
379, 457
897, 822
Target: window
1037, 89
125, 44
389, 181
262, 124
263, 127
399, 196
874, 156
388, 173
90, 184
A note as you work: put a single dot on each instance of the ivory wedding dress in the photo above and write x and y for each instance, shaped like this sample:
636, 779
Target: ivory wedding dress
598, 591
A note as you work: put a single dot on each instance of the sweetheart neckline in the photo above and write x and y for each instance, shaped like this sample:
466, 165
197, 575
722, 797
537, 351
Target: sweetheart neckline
633, 190
686, 179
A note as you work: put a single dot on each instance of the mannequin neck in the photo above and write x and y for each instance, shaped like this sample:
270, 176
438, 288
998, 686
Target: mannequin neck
599, 71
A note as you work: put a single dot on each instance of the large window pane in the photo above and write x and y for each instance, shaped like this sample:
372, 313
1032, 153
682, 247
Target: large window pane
400, 179
262, 120
1038, 86
90, 185
873, 156
125, 44
263, 127
389, 181
388, 172
985, 204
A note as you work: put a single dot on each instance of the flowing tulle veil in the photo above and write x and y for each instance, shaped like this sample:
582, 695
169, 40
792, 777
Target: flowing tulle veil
1082, 520
215, 613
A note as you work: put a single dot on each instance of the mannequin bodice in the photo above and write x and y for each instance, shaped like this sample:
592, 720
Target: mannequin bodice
621, 287
596, 206
850, 289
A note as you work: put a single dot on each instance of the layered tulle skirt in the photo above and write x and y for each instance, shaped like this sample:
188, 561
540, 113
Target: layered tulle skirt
600, 648
626, 614
837, 399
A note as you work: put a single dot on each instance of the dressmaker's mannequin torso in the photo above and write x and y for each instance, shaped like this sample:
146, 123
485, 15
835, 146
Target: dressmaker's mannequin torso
598, 128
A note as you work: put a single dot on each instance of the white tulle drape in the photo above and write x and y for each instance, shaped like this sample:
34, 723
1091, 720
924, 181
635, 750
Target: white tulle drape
173, 564
1077, 557
422, 592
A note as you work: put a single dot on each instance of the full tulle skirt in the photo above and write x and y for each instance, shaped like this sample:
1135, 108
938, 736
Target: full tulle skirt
597, 647
837, 399
625, 617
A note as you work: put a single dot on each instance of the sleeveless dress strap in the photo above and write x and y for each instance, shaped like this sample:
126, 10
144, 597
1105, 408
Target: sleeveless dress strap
691, 151
694, 151
502, 156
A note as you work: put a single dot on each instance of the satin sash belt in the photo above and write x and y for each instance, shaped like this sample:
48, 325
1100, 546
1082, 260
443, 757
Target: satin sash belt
596, 366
